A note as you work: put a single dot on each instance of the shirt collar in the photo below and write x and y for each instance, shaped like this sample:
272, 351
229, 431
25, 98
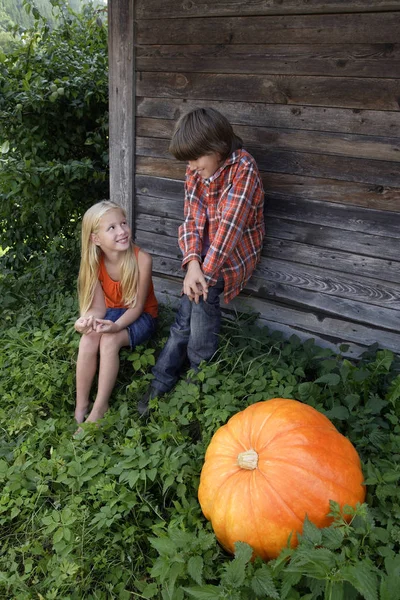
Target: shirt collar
231, 160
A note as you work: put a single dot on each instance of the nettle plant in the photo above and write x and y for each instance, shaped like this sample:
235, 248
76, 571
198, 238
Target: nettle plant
115, 514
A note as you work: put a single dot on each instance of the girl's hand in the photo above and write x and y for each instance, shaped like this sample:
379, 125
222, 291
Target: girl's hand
85, 325
106, 326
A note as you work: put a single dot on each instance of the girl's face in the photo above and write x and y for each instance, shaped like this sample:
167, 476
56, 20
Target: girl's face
114, 233
206, 165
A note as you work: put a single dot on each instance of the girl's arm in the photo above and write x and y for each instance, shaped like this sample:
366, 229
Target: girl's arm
97, 310
145, 263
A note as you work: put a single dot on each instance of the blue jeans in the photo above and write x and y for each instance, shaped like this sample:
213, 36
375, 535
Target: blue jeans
139, 331
193, 335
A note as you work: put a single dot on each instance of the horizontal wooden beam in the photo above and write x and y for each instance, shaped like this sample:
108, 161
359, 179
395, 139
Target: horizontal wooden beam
181, 9
312, 118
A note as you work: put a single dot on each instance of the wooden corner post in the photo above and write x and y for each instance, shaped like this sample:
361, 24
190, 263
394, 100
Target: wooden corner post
122, 104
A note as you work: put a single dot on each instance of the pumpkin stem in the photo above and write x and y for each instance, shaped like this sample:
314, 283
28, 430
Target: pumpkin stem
248, 460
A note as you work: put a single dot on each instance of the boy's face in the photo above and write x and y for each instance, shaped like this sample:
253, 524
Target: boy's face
206, 165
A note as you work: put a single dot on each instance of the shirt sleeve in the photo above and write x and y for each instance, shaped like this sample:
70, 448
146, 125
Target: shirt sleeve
188, 235
235, 207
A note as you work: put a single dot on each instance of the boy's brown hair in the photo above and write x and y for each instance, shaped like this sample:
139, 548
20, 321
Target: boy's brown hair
203, 131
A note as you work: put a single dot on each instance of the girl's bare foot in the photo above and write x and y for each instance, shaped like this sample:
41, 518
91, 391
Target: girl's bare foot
97, 413
80, 414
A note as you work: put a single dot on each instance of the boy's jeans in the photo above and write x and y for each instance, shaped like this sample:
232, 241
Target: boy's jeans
194, 335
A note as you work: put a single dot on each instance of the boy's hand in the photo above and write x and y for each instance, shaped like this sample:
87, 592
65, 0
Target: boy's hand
194, 284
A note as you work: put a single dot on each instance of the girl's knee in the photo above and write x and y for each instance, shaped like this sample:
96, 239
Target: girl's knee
89, 342
111, 343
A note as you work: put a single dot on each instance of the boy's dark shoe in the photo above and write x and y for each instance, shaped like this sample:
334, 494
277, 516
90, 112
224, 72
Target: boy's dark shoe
143, 404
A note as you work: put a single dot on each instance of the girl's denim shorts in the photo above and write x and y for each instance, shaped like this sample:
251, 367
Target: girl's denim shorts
140, 330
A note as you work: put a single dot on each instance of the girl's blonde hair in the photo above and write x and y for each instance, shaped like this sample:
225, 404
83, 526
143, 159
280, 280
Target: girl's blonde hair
90, 260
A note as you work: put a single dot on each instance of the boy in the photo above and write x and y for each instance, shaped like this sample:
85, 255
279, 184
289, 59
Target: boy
221, 239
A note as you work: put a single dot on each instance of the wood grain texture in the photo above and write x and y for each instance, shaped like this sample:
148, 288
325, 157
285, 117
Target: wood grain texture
121, 104
357, 146
273, 277
164, 197
341, 92
336, 60
282, 160
288, 187
314, 118
329, 332
311, 250
183, 9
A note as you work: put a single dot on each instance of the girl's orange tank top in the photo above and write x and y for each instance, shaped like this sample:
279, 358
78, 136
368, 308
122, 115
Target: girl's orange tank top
113, 294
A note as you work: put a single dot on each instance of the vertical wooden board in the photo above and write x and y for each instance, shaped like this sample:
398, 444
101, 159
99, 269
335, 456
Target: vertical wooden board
121, 103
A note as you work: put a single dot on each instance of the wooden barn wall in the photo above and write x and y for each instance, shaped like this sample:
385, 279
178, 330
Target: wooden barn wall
313, 88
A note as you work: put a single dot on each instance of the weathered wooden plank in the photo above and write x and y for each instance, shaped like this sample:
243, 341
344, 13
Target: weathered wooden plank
308, 166
375, 222
301, 298
375, 172
154, 9
159, 187
368, 314
275, 277
327, 332
344, 92
160, 207
168, 292
315, 322
334, 238
161, 167
159, 225
357, 146
370, 122
121, 104
296, 190
305, 253
335, 260
164, 197
357, 231
339, 60
158, 245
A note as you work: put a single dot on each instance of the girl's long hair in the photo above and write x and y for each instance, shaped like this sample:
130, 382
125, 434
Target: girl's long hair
90, 260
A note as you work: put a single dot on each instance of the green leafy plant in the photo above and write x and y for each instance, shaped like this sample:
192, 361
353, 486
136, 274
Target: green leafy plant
53, 132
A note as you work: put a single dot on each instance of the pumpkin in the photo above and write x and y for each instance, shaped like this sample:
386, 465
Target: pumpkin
269, 467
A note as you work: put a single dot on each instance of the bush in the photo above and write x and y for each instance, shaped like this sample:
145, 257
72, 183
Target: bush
53, 132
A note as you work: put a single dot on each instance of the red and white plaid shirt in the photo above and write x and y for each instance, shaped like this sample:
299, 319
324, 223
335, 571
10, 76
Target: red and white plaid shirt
233, 202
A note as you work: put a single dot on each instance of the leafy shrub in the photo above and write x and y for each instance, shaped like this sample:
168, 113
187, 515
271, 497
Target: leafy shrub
53, 132
115, 513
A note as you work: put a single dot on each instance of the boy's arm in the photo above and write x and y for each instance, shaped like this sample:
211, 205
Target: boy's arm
188, 235
236, 207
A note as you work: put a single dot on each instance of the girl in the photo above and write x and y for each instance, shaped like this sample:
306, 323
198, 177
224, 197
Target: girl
117, 303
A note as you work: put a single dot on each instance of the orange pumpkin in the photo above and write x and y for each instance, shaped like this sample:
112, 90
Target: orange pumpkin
270, 466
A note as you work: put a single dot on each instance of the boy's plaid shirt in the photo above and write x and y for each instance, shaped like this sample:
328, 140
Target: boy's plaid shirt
233, 200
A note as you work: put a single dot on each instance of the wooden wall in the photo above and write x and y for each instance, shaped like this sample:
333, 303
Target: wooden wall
313, 88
